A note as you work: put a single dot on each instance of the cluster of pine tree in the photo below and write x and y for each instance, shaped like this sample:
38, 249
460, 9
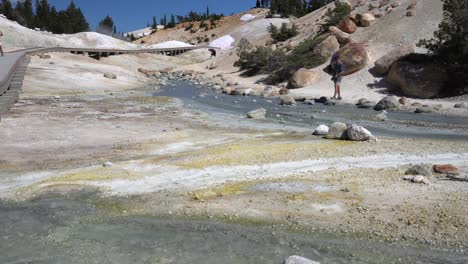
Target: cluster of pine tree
190, 17
46, 17
296, 8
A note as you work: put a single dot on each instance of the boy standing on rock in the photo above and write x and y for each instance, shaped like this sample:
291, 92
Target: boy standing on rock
338, 75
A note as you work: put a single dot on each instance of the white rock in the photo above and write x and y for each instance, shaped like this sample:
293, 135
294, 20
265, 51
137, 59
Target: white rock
257, 114
108, 164
299, 260
321, 130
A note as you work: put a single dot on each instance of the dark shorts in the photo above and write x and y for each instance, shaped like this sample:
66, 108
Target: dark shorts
338, 80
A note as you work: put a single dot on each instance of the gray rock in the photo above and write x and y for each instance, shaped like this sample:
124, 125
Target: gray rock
163, 82
364, 103
423, 110
299, 260
461, 105
419, 169
387, 103
337, 131
358, 133
110, 75
257, 114
309, 102
217, 87
287, 100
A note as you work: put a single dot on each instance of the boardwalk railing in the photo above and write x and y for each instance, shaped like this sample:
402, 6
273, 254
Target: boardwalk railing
11, 80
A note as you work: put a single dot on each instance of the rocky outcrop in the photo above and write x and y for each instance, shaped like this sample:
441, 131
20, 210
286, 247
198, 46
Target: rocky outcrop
387, 103
382, 65
354, 57
420, 80
342, 37
347, 26
328, 47
257, 114
303, 77
298, 260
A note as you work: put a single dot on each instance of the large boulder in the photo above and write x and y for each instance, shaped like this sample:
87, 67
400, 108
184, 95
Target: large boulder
387, 103
420, 80
338, 130
303, 77
287, 100
328, 47
342, 37
354, 57
299, 260
382, 65
347, 26
358, 133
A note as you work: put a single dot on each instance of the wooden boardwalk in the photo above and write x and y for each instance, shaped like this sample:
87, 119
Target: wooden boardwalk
13, 66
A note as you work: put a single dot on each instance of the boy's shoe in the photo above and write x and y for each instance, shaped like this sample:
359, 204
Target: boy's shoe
339, 98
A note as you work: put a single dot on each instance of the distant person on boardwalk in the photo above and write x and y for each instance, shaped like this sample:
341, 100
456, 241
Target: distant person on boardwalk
213, 53
339, 68
1, 49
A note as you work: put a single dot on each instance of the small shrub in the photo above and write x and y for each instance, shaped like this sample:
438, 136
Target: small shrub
335, 16
282, 34
189, 27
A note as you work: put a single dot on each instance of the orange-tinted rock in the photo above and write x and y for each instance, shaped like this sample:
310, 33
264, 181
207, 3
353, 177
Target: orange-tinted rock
445, 168
347, 26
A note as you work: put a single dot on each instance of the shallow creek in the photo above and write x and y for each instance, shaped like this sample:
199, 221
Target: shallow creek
86, 229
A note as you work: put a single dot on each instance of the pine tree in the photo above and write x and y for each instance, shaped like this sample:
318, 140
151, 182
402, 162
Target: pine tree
155, 23
43, 18
172, 23
258, 5
7, 9
28, 13
106, 25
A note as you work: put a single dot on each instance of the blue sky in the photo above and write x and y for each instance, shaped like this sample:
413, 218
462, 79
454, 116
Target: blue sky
134, 14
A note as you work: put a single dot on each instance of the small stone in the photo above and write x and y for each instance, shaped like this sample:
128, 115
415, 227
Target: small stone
299, 260
382, 116
423, 110
410, 13
110, 75
321, 130
257, 114
287, 100
108, 164
387, 103
309, 102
